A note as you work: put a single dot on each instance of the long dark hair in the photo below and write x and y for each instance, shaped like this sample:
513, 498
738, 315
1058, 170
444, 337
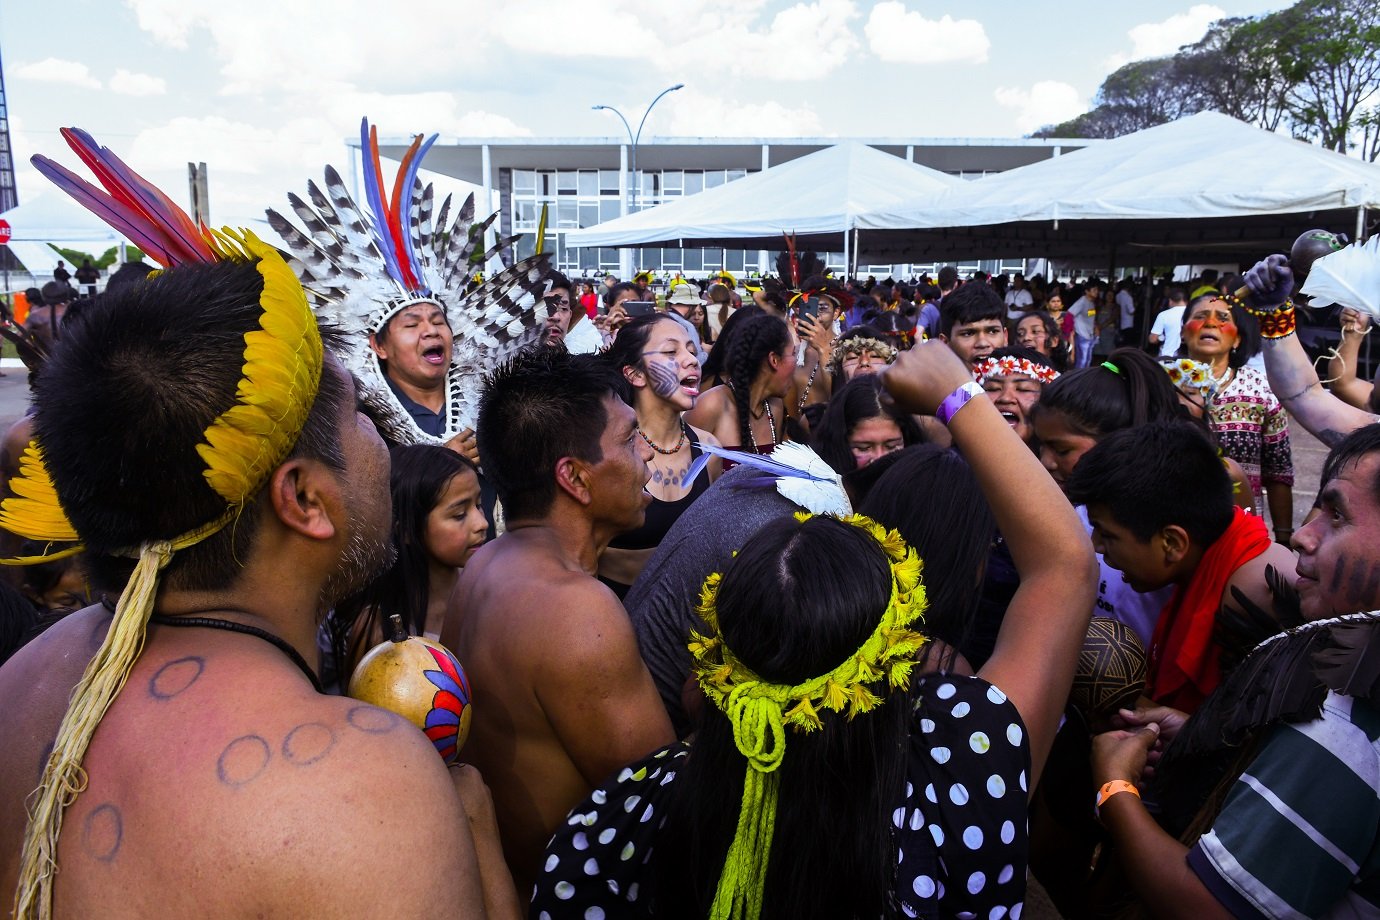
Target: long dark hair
1098, 400
716, 365
932, 497
796, 602
759, 337
859, 400
628, 346
419, 476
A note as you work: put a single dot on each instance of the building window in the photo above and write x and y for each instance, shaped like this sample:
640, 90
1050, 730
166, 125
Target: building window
609, 183
588, 183
525, 181
713, 178
694, 182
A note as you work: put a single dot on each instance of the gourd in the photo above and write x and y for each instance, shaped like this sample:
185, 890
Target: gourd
421, 681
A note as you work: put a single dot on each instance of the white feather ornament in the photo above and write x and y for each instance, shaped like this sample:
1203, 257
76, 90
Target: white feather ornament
1349, 277
800, 474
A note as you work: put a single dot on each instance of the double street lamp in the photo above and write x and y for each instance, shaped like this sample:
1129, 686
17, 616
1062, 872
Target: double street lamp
633, 138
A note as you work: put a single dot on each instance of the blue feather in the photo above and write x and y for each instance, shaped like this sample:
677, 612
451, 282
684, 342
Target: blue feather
408, 180
756, 461
373, 192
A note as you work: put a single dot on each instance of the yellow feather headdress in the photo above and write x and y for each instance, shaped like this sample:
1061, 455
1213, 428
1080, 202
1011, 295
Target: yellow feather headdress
281, 374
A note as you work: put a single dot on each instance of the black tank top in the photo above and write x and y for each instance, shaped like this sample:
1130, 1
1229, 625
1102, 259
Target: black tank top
662, 514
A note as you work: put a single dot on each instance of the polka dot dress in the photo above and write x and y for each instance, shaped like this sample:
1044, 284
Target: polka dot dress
962, 845
959, 822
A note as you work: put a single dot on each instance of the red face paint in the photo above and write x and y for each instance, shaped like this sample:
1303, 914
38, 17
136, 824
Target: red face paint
1193, 325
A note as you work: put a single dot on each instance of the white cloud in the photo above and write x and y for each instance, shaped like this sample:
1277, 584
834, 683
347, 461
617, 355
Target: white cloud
56, 70
1045, 103
137, 84
400, 114
898, 35
1158, 39
803, 42
314, 45
696, 114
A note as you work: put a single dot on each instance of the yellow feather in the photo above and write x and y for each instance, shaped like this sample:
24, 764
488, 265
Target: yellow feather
282, 370
33, 512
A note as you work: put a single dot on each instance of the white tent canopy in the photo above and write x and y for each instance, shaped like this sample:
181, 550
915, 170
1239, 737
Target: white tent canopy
1205, 183
53, 217
814, 195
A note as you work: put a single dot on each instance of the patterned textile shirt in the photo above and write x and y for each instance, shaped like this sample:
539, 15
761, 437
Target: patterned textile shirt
1299, 835
1253, 429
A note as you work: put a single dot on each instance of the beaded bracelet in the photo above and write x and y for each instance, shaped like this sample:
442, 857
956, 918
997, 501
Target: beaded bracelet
957, 400
1278, 325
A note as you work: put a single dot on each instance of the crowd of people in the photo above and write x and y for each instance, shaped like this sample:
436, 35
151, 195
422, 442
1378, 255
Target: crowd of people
809, 599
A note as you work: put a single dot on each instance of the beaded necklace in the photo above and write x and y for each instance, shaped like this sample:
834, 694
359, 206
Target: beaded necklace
662, 450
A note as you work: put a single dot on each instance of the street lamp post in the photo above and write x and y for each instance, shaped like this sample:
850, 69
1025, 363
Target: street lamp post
634, 137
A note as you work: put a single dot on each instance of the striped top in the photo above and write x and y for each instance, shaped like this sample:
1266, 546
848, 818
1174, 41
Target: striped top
1299, 835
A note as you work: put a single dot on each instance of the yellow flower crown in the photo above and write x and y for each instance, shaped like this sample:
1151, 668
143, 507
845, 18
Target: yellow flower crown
278, 386
760, 711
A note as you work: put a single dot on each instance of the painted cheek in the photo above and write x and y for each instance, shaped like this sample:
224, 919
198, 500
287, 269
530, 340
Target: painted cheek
1193, 325
663, 377
1229, 329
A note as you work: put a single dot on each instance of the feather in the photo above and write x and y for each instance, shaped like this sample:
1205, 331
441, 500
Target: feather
114, 212
1348, 662
541, 228
1285, 679
420, 236
374, 194
341, 259
800, 475
1349, 277
408, 175
395, 208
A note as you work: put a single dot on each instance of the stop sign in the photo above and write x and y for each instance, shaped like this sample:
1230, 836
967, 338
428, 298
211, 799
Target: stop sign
4, 232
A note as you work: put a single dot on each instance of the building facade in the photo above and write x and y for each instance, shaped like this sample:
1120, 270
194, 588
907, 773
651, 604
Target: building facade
587, 181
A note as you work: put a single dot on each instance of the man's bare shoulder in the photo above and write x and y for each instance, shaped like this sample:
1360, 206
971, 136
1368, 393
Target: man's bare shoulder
208, 734
1249, 578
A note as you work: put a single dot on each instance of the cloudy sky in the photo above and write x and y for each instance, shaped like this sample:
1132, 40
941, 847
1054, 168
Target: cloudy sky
265, 91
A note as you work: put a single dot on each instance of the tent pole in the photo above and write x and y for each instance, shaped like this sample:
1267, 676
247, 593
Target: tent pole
854, 272
846, 254
1360, 224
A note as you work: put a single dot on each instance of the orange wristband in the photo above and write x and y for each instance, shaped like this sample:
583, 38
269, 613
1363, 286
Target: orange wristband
1111, 789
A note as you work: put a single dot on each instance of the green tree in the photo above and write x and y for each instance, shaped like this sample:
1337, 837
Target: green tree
1135, 96
1330, 50
1235, 69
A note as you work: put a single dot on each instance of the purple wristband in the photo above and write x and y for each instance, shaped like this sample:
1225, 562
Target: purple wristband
957, 400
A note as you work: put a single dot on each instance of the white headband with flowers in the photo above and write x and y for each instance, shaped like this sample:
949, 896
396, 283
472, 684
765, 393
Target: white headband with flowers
1009, 366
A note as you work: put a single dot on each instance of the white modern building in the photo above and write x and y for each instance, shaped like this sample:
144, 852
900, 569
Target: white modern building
586, 181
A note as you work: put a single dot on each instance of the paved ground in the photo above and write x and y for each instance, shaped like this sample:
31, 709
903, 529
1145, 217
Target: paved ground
14, 391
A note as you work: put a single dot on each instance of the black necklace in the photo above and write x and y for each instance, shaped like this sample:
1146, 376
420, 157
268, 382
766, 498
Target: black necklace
229, 626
